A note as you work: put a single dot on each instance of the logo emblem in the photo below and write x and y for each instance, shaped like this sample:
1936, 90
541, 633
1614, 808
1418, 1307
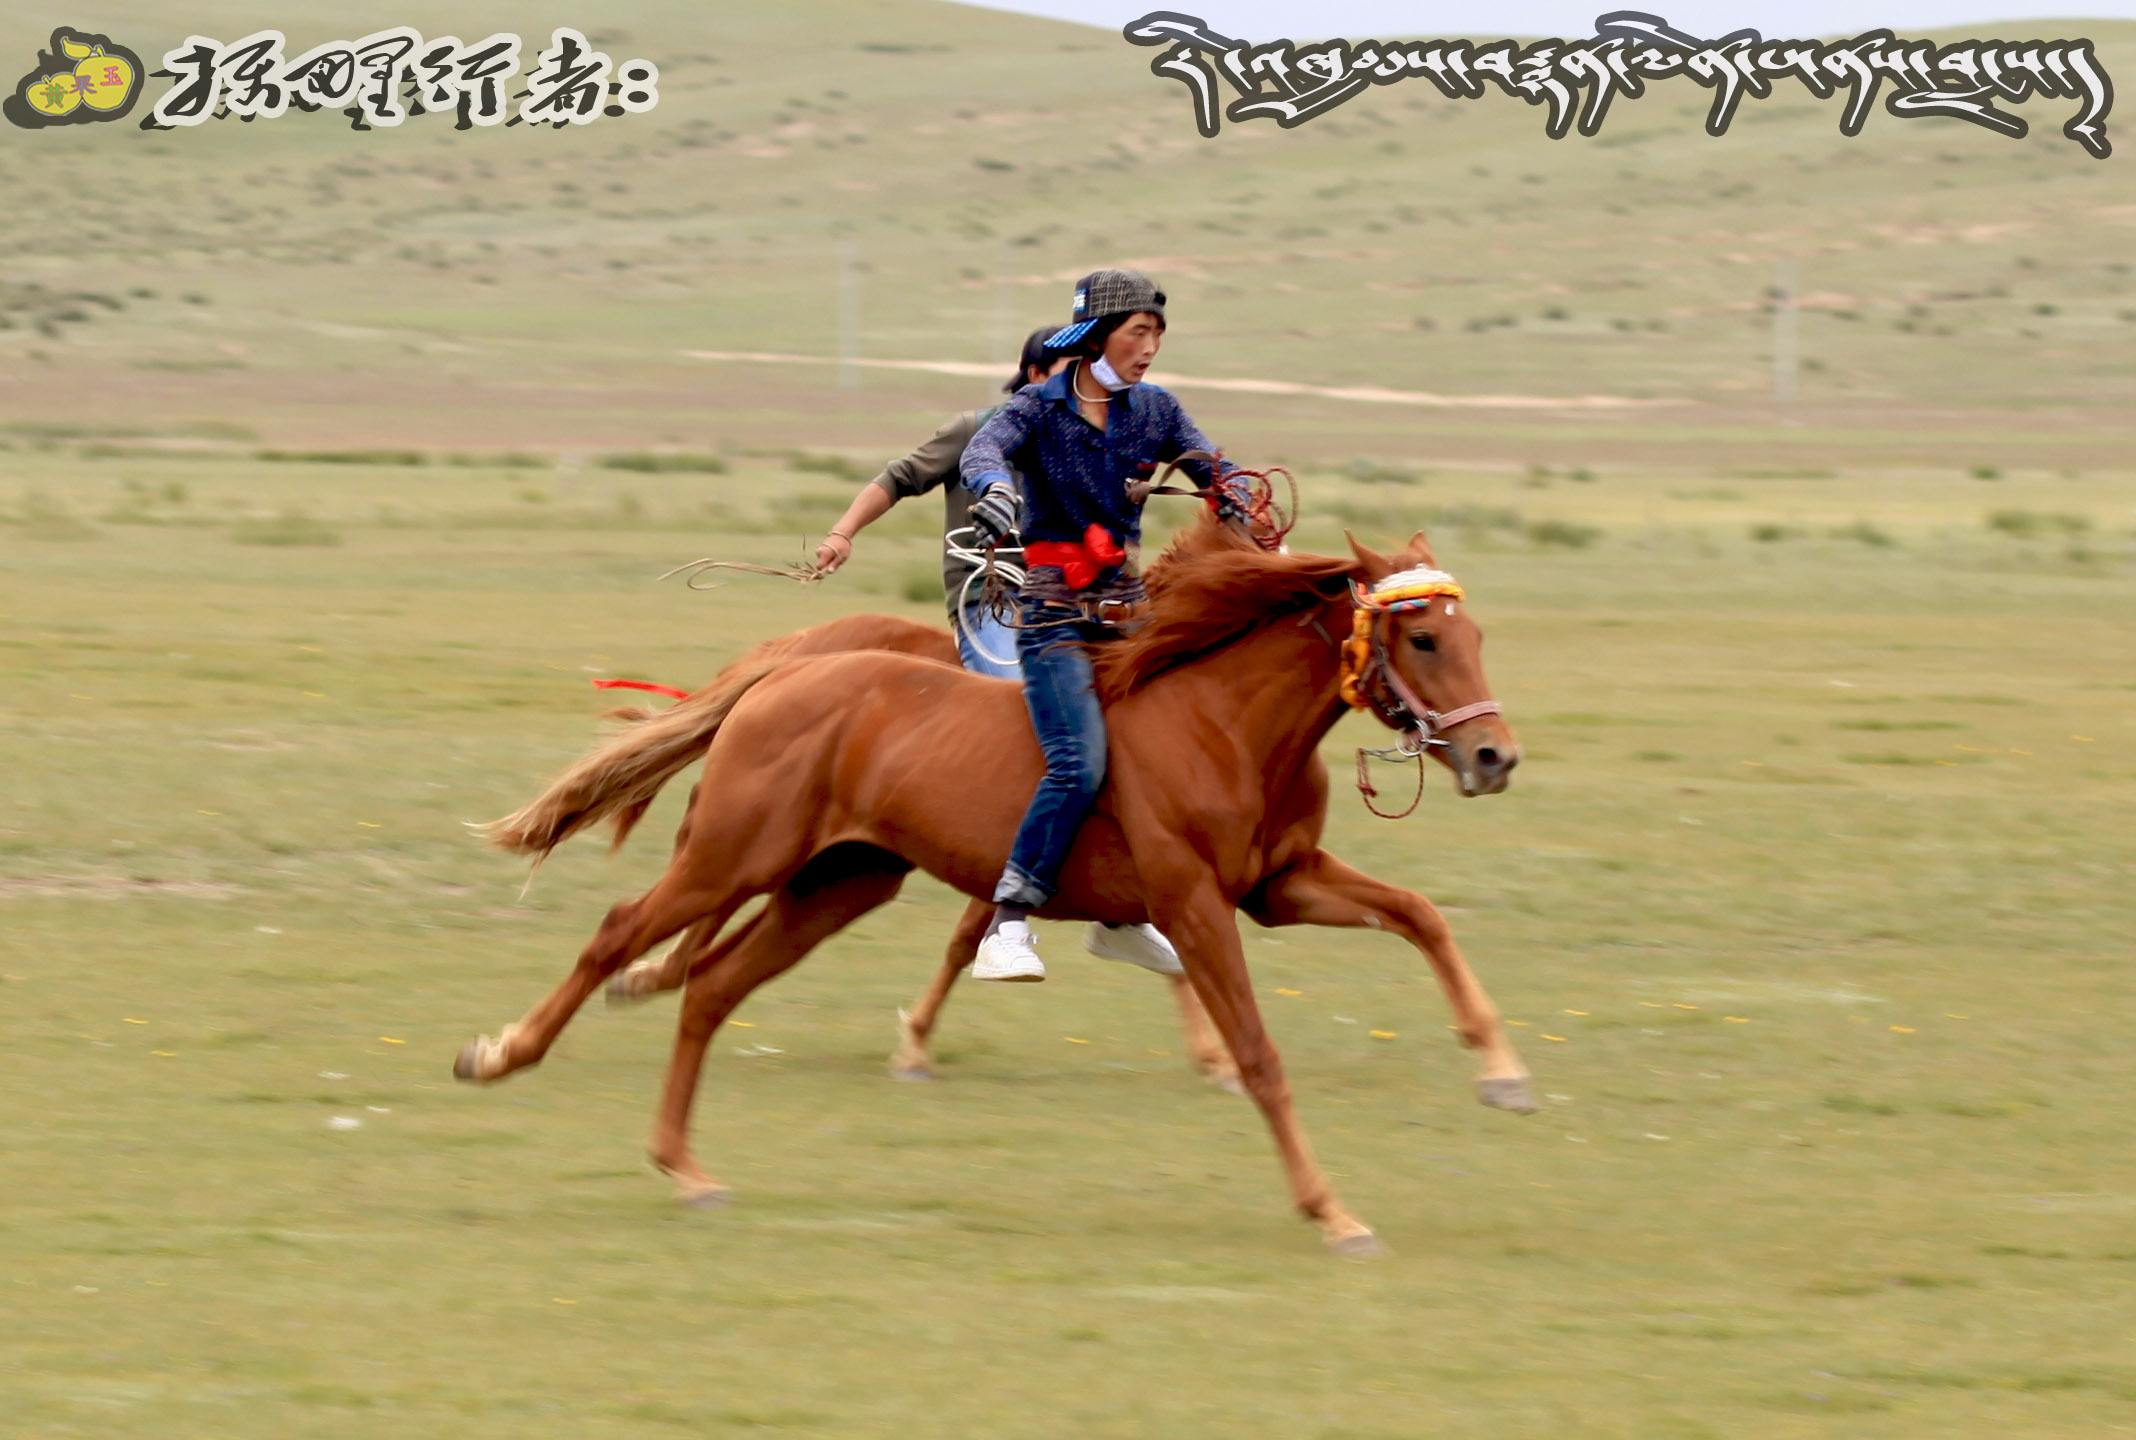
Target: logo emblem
82, 78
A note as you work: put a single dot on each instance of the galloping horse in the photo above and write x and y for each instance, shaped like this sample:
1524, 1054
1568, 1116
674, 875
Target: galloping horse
699, 947
830, 778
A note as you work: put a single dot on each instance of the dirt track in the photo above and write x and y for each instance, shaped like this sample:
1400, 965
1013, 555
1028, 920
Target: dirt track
1362, 394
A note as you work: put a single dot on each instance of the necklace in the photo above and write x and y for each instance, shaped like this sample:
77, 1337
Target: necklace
1076, 384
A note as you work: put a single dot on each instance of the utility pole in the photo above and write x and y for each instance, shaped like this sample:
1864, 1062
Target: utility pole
1784, 349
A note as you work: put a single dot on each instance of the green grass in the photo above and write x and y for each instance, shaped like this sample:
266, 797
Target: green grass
1844, 1063
1815, 863
2028, 523
654, 464
291, 527
344, 457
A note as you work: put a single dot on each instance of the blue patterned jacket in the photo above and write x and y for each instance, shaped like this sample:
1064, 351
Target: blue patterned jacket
1074, 474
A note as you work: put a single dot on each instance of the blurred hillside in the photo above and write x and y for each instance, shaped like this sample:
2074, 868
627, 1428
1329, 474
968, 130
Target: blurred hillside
1964, 298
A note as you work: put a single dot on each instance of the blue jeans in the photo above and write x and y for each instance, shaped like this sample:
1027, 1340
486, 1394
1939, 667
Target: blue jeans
1071, 731
986, 646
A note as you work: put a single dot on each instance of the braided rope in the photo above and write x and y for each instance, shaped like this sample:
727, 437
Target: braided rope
806, 573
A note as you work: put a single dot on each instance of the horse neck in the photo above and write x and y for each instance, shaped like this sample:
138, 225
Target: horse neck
1278, 691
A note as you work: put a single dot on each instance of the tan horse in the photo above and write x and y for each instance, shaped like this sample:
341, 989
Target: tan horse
832, 777
699, 948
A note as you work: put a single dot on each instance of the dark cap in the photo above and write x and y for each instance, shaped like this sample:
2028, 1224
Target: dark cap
1102, 293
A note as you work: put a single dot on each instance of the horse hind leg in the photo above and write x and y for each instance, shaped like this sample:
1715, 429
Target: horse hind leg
631, 928
911, 1060
1205, 1048
652, 975
656, 974
725, 853
833, 892
694, 949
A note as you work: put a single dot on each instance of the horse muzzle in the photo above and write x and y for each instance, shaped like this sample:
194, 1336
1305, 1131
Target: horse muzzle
1485, 768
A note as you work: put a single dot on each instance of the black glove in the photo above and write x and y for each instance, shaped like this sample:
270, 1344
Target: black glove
996, 515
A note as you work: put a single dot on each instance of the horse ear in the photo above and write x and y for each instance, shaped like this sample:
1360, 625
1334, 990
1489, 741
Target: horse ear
1421, 549
1376, 566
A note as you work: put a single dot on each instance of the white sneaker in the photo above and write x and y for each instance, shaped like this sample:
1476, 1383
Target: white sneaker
1136, 944
1010, 953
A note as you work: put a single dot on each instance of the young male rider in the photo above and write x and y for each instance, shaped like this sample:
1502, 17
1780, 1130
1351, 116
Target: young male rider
986, 646
1056, 461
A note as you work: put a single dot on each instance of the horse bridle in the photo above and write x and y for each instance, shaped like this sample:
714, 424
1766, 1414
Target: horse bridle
1370, 680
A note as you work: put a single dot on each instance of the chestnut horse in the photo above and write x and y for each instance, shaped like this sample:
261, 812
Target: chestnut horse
832, 777
698, 948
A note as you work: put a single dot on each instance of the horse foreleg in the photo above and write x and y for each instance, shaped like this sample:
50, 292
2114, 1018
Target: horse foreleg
630, 929
911, 1060
802, 914
1322, 890
1201, 924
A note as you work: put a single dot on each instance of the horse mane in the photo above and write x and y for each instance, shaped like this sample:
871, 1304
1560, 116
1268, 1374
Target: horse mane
1211, 588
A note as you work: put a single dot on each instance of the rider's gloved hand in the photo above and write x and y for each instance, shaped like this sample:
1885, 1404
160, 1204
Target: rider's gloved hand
996, 514
1234, 498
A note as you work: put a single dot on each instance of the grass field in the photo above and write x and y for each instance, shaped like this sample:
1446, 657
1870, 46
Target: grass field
1817, 867
1811, 901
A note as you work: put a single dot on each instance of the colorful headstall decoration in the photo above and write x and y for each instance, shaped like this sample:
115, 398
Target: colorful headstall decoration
1403, 590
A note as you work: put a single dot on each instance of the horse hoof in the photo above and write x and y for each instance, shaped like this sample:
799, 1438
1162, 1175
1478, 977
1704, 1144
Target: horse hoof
1229, 1084
710, 1197
912, 1074
1362, 1246
463, 1064
618, 993
1510, 1094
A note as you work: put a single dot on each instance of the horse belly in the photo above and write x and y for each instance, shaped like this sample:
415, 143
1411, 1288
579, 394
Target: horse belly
955, 816
937, 768
1100, 881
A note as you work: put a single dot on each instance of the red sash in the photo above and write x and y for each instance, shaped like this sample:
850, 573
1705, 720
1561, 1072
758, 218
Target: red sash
1079, 560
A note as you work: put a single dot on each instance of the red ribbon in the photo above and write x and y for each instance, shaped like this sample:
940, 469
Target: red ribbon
667, 690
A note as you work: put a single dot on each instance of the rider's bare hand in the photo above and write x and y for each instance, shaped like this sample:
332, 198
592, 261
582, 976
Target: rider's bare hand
833, 552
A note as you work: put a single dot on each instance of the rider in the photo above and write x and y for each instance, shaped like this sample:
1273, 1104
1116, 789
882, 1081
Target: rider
987, 646
1076, 443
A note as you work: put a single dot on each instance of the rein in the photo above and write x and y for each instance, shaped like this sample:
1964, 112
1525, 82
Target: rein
1367, 791
1265, 519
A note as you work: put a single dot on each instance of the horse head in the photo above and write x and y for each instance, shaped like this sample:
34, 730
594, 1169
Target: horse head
1415, 660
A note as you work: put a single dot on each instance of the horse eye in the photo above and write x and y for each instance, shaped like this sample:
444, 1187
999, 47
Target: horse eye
1423, 642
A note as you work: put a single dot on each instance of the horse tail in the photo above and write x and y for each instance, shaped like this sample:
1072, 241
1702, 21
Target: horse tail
619, 779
